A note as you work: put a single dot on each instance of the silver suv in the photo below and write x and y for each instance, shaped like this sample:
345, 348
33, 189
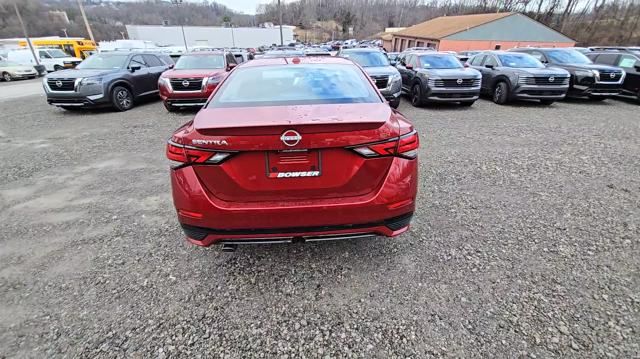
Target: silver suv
377, 66
429, 76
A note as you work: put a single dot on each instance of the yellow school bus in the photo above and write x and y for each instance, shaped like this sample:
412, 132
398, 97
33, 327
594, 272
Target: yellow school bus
74, 46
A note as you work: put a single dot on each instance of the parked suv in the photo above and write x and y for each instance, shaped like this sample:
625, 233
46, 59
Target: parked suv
629, 62
376, 64
438, 77
115, 79
594, 81
509, 76
194, 78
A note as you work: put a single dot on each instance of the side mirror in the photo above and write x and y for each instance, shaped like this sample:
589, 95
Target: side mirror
408, 66
393, 63
171, 66
231, 66
134, 68
489, 66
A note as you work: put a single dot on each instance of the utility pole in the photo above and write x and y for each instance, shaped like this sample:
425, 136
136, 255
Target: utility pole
65, 32
280, 15
26, 35
86, 22
184, 38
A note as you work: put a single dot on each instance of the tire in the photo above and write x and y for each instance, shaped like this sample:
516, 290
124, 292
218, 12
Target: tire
6, 76
168, 107
500, 93
394, 103
547, 102
121, 98
57, 68
467, 103
416, 96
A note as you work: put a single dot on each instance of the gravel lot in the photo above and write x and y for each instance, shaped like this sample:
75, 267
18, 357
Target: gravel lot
526, 243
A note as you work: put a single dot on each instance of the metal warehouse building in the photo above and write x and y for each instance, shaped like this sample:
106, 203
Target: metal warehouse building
479, 32
210, 35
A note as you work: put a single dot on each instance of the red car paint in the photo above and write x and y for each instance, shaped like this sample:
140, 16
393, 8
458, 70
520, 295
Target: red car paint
246, 197
174, 94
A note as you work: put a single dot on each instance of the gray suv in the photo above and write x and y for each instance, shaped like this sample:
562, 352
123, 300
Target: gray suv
438, 77
377, 66
114, 79
509, 76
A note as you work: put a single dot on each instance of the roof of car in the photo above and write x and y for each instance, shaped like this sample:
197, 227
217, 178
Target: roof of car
204, 53
302, 60
361, 49
427, 52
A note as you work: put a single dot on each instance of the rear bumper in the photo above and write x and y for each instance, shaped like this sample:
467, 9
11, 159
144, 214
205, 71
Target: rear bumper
390, 227
452, 94
208, 220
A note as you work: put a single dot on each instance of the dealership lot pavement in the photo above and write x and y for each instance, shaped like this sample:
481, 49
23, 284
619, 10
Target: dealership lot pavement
525, 243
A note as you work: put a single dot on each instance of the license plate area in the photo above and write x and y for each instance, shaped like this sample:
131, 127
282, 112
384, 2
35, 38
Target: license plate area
293, 164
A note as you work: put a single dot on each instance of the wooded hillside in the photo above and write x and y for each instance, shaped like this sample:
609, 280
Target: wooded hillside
588, 21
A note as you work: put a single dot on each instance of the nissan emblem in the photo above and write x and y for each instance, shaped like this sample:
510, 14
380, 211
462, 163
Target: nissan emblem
59, 83
612, 75
551, 79
185, 83
459, 82
290, 138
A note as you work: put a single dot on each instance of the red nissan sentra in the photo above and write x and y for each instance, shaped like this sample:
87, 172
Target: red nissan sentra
193, 79
302, 149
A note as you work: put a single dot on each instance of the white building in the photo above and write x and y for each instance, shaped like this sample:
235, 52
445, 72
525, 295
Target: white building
210, 35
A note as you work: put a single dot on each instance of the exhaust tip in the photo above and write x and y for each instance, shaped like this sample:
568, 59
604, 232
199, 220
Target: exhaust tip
229, 247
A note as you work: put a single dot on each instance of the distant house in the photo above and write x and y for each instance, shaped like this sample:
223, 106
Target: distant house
385, 36
479, 32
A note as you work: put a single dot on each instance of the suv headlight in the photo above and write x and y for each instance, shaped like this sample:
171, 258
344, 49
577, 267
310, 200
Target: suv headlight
396, 78
586, 73
87, 81
215, 79
163, 81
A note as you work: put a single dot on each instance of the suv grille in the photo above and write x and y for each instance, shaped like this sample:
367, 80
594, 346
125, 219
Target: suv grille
192, 84
61, 84
455, 82
610, 76
381, 81
545, 80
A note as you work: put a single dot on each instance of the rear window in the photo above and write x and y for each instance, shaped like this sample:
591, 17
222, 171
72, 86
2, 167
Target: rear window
303, 84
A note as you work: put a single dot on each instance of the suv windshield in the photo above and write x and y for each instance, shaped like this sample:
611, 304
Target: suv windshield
440, 62
103, 62
200, 62
303, 84
567, 57
367, 58
520, 60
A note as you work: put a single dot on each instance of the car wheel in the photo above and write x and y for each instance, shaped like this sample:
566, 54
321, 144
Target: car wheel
467, 103
6, 76
394, 103
57, 68
169, 107
500, 93
416, 96
122, 98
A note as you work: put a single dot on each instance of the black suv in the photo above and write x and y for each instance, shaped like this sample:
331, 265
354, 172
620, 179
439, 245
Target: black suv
595, 81
629, 61
431, 76
107, 79
509, 76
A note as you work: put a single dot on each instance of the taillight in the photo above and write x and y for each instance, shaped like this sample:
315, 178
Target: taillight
405, 146
183, 155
